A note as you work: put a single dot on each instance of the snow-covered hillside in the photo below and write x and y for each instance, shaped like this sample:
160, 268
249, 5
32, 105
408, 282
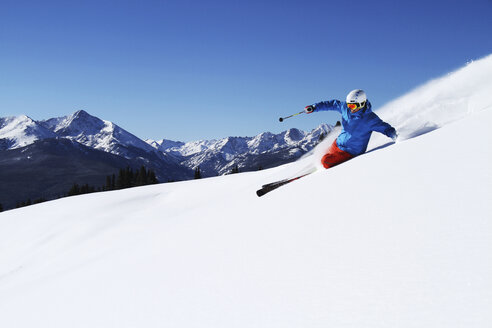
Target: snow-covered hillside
397, 237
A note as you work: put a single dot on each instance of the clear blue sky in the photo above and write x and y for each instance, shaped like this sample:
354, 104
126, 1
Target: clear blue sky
189, 69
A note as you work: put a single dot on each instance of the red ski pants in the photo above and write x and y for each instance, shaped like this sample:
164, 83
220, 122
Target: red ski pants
335, 156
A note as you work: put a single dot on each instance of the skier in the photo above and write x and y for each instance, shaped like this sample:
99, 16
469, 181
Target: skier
358, 122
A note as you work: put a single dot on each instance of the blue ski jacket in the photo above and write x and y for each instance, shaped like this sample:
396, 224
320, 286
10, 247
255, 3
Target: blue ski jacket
356, 127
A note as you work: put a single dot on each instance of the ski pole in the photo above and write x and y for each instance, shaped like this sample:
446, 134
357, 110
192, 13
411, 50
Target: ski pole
283, 118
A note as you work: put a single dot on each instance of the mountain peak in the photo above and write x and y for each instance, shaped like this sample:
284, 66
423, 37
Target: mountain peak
294, 135
19, 131
81, 113
15, 120
84, 116
79, 122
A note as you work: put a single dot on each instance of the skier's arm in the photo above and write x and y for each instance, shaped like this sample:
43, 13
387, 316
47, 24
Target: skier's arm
334, 105
383, 127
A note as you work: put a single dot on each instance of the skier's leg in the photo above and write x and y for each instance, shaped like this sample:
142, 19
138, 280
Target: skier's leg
334, 156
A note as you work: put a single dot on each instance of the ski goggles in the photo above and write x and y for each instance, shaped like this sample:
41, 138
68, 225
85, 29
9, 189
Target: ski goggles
355, 106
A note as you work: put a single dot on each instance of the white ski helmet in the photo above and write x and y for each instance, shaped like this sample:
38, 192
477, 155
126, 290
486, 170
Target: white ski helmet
356, 96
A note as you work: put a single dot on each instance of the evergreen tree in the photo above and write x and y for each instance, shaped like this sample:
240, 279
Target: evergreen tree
79, 190
74, 190
108, 185
123, 180
129, 177
198, 173
120, 181
141, 178
235, 169
23, 204
86, 189
152, 179
1, 208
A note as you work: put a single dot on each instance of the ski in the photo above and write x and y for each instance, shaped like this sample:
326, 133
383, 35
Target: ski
266, 188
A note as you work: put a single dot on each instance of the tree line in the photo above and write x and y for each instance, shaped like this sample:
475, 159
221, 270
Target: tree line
235, 169
126, 178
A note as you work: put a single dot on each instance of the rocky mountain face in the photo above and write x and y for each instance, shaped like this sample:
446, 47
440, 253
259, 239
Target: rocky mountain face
82, 148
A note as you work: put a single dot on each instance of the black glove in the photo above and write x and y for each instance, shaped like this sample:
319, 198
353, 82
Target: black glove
392, 134
309, 109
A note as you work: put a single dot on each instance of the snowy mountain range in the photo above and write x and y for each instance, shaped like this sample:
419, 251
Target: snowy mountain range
22, 141
217, 157
20, 131
397, 237
213, 156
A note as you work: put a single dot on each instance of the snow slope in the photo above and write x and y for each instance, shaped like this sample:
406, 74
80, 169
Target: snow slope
442, 100
398, 237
